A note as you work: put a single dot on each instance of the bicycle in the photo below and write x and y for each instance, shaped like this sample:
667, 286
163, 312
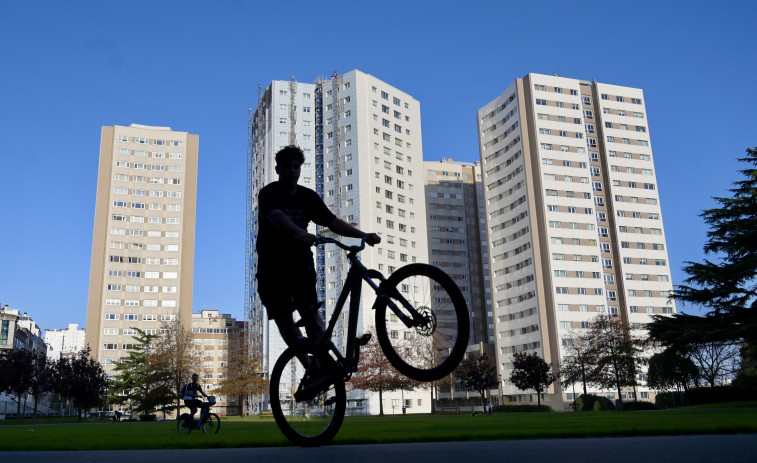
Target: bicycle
208, 422
422, 326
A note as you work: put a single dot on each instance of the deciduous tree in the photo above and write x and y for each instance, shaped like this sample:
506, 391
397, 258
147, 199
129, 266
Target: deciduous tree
531, 372
579, 363
244, 376
376, 374
616, 352
478, 373
81, 379
173, 358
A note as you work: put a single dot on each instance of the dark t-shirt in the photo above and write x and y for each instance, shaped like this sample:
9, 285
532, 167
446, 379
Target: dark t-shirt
279, 252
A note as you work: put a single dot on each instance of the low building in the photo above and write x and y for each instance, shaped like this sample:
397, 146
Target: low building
65, 341
19, 331
214, 334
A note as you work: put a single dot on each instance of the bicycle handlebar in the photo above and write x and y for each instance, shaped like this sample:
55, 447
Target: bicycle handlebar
325, 240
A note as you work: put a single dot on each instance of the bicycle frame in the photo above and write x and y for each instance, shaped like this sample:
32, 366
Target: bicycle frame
352, 288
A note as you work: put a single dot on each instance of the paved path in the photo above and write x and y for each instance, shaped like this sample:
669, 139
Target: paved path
659, 449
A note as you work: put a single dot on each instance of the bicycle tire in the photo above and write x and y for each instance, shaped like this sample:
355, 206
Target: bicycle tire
212, 425
308, 423
184, 424
431, 351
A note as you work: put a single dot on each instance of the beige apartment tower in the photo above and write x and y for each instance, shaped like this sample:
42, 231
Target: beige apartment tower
573, 218
144, 233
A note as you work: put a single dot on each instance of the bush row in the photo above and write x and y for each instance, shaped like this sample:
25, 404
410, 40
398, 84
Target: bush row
521, 408
705, 395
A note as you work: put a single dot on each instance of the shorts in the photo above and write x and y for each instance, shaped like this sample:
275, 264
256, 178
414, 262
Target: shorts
283, 292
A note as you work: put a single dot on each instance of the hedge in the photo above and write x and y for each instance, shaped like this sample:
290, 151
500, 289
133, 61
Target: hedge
641, 405
521, 408
588, 402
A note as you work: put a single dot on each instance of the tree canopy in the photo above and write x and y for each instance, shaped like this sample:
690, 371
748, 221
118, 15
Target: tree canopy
531, 372
478, 373
376, 374
81, 379
726, 283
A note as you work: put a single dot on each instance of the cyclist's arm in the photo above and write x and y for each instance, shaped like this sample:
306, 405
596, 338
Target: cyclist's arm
284, 224
341, 227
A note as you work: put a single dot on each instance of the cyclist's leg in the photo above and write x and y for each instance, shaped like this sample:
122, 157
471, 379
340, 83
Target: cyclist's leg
275, 294
306, 302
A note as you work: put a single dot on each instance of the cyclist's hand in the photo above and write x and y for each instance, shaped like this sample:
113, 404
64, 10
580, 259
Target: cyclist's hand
372, 238
303, 237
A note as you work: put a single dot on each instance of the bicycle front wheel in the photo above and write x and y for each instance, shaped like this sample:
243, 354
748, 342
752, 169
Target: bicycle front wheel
212, 425
311, 422
433, 344
184, 424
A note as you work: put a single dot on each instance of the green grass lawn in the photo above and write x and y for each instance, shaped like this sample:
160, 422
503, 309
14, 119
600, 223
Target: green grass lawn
396, 428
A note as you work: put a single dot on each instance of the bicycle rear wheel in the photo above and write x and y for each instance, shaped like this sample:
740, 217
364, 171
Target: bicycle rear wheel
184, 424
312, 422
430, 349
212, 425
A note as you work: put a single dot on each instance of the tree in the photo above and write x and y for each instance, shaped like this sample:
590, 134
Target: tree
579, 363
173, 359
81, 379
141, 379
615, 351
478, 373
716, 360
669, 369
42, 378
244, 376
17, 372
726, 285
531, 372
376, 374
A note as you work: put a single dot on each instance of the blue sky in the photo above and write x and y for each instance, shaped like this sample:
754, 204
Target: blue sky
68, 68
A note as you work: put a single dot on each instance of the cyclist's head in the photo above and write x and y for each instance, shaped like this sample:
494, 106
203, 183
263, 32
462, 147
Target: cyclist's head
290, 153
195, 377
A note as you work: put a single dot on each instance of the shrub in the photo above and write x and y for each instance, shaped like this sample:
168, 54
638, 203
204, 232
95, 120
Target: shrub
521, 408
632, 406
147, 417
670, 399
588, 402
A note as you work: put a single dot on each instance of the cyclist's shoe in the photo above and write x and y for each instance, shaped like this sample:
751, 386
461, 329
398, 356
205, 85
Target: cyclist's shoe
329, 401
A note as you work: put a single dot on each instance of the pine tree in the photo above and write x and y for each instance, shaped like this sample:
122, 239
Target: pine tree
726, 282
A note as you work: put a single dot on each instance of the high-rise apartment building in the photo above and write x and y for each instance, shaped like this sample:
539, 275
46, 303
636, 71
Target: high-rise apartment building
362, 142
143, 242
457, 237
573, 216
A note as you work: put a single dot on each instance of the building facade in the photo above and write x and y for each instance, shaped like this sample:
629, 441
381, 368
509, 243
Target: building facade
65, 342
573, 217
19, 331
215, 336
143, 241
363, 148
457, 238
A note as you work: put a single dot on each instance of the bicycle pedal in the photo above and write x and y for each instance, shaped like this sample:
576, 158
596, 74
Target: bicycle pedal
329, 401
364, 339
